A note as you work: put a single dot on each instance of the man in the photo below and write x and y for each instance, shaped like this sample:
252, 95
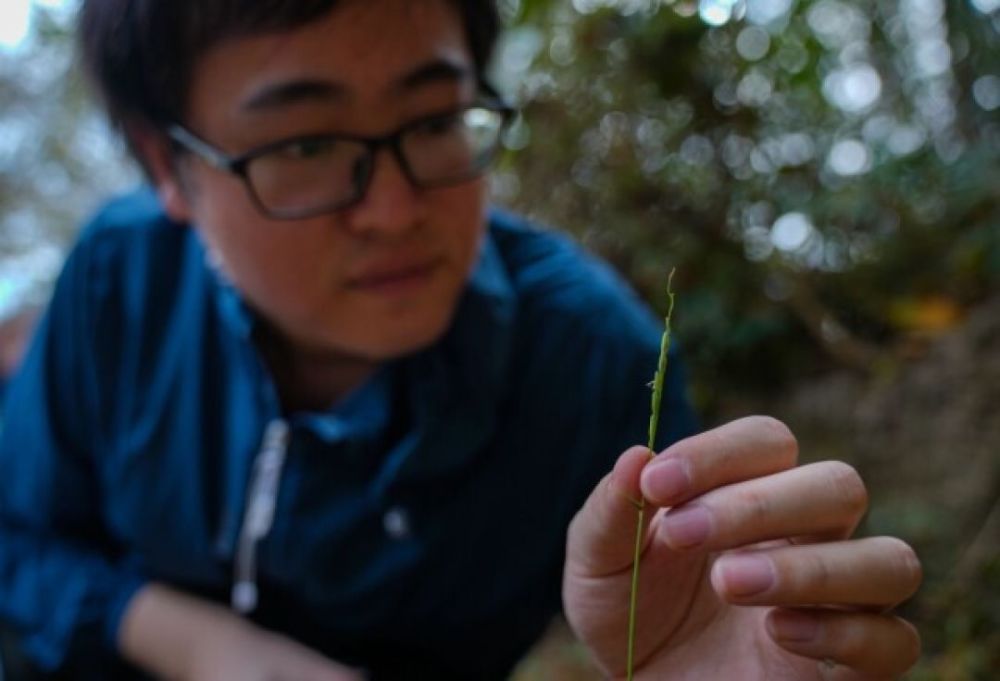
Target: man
304, 415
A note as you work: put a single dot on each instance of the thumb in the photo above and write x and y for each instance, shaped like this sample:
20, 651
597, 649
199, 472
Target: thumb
601, 538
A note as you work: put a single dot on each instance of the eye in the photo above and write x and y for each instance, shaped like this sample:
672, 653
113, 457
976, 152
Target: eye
441, 125
309, 148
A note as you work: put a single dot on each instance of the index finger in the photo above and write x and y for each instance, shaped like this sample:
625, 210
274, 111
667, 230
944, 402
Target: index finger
741, 450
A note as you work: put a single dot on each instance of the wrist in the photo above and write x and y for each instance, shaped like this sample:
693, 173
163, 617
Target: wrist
164, 631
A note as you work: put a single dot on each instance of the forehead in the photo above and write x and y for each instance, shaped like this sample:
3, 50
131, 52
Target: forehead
366, 51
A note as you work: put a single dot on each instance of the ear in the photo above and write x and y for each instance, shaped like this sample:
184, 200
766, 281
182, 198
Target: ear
154, 152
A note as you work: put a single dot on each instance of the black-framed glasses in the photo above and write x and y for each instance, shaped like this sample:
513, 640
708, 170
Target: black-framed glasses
308, 176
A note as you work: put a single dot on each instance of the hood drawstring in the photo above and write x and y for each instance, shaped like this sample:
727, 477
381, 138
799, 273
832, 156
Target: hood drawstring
258, 514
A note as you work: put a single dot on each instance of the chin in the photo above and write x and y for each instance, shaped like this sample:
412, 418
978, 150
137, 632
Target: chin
399, 343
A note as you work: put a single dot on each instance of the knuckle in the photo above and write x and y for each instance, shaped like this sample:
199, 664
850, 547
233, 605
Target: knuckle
816, 576
755, 506
848, 640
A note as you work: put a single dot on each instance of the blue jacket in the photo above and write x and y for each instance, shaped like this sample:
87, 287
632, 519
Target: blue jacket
416, 528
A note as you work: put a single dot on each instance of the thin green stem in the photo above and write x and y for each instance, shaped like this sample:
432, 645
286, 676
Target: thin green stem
634, 594
654, 421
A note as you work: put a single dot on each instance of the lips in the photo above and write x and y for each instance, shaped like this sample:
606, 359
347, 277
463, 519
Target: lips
390, 276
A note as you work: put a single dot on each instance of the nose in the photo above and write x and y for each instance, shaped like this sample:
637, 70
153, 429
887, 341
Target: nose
391, 205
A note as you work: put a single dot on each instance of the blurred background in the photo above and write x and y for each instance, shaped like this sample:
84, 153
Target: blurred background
825, 176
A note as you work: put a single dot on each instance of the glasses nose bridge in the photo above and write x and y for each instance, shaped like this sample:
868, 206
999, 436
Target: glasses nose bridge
394, 142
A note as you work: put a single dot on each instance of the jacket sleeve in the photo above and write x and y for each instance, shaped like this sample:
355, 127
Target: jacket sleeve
63, 581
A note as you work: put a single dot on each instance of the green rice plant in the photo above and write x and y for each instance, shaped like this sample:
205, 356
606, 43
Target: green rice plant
654, 420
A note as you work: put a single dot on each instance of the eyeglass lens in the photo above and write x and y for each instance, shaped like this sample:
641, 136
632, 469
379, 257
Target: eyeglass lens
320, 173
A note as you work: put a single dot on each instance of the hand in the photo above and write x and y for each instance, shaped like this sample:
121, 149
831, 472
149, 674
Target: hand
747, 571
178, 637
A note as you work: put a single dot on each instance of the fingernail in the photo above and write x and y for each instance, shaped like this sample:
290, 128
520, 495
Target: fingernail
687, 527
793, 626
666, 480
746, 575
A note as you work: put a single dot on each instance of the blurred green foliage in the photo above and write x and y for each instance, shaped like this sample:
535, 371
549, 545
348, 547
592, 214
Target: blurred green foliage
808, 166
825, 175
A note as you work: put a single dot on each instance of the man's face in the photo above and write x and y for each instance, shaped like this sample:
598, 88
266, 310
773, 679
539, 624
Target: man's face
379, 279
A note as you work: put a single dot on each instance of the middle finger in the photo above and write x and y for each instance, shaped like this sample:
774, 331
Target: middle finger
876, 573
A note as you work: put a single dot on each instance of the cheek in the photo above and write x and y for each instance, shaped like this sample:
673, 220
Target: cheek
285, 275
218, 204
269, 262
461, 213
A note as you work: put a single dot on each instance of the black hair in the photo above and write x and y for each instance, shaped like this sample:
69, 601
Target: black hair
140, 54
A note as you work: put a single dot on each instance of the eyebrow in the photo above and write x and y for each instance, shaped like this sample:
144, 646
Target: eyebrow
316, 90
446, 70
293, 92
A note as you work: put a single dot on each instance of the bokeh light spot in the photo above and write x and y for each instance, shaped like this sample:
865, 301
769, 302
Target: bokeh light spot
791, 232
986, 92
853, 89
753, 43
717, 12
849, 157
762, 12
15, 23
986, 6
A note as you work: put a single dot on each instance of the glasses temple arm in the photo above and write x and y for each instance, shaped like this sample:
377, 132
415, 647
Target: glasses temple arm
194, 144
